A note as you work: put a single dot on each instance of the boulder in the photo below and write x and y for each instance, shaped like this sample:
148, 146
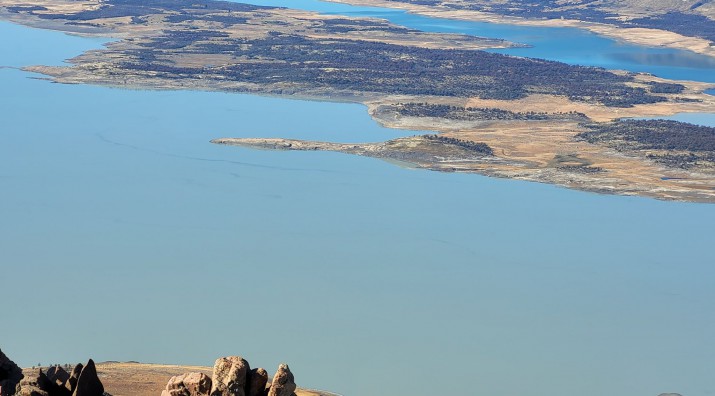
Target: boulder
283, 382
229, 377
10, 375
190, 384
256, 382
37, 383
34, 383
71, 383
58, 375
88, 383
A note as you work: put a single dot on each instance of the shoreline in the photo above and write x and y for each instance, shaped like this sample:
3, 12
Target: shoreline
520, 153
520, 146
637, 36
488, 166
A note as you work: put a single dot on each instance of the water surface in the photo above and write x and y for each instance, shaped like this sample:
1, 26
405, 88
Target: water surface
126, 236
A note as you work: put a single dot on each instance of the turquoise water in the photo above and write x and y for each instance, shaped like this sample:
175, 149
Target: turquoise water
569, 45
127, 236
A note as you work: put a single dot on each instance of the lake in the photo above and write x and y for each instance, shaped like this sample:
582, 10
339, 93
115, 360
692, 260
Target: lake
127, 236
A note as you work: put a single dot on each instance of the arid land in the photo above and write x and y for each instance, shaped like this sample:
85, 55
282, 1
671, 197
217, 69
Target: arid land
494, 114
141, 379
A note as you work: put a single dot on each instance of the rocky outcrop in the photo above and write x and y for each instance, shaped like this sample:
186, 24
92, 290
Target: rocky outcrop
283, 383
10, 375
232, 376
88, 383
34, 383
58, 375
83, 381
229, 378
71, 383
190, 384
256, 382
37, 383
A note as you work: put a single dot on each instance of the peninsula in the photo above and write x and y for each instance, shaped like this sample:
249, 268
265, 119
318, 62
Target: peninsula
494, 114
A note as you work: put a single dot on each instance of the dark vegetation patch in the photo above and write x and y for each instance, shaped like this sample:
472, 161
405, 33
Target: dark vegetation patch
665, 88
225, 19
573, 163
674, 143
343, 25
478, 113
139, 8
474, 147
362, 66
686, 100
17, 9
581, 169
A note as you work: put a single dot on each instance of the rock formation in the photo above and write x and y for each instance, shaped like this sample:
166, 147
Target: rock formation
10, 375
88, 383
57, 382
229, 377
283, 382
71, 383
35, 383
232, 376
58, 375
190, 384
256, 382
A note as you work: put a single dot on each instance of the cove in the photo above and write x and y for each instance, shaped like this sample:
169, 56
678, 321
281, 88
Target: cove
125, 232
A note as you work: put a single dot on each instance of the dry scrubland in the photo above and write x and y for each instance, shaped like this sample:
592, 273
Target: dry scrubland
534, 113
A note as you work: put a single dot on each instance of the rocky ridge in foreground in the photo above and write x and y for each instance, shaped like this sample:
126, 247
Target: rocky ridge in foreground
82, 381
230, 376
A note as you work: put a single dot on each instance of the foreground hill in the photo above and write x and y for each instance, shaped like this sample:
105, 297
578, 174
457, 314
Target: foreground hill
142, 379
230, 376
